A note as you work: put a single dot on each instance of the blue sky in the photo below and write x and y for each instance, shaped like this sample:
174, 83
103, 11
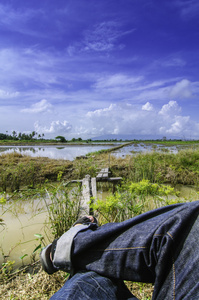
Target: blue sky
87, 68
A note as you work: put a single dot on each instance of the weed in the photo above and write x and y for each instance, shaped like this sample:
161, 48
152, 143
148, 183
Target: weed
6, 269
132, 199
63, 209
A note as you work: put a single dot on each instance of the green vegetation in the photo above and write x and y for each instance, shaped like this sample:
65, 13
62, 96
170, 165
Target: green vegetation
20, 136
18, 171
148, 181
132, 199
63, 209
33, 137
61, 139
161, 167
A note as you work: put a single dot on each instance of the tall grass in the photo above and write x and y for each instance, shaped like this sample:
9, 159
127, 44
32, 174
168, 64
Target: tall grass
17, 171
63, 207
159, 167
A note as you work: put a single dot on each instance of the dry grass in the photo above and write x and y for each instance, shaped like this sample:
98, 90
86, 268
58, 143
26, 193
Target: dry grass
17, 170
32, 286
142, 291
42, 286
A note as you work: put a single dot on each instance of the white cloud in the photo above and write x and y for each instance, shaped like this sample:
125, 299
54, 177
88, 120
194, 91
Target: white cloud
148, 106
188, 8
116, 80
136, 88
39, 107
134, 120
181, 89
7, 94
55, 127
173, 62
179, 125
103, 37
18, 19
172, 108
102, 112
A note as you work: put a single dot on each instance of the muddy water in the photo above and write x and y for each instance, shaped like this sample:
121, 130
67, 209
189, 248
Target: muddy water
187, 192
23, 219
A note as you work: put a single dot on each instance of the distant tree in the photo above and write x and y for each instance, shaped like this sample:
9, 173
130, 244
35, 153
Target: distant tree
61, 139
14, 134
19, 135
3, 136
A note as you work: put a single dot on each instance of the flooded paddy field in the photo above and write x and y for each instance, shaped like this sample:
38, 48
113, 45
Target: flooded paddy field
147, 147
70, 152
25, 220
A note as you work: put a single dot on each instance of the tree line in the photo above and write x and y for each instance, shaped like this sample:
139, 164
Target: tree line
21, 136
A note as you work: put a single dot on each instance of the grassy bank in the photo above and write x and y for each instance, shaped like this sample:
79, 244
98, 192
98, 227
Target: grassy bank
18, 171
161, 167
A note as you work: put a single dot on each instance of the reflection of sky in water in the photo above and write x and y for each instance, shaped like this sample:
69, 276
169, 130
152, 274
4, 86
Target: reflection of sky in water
68, 152
135, 148
71, 152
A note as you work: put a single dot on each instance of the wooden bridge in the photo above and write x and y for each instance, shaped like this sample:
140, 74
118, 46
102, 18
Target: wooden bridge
89, 189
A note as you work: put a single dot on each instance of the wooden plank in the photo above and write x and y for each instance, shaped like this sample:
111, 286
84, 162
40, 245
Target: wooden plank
86, 193
94, 187
112, 179
93, 193
103, 174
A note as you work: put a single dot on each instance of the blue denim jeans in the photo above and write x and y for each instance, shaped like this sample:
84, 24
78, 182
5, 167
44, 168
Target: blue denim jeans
160, 246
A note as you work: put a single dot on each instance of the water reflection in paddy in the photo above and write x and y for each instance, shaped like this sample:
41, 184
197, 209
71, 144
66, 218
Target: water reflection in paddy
66, 152
143, 147
70, 152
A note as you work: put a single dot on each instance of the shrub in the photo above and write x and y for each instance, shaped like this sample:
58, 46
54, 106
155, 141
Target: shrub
132, 199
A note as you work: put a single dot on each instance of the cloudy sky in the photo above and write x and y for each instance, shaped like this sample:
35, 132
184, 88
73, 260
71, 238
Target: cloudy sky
87, 68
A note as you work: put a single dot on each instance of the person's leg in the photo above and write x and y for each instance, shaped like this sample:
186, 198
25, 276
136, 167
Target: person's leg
182, 281
160, 246
90, 285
